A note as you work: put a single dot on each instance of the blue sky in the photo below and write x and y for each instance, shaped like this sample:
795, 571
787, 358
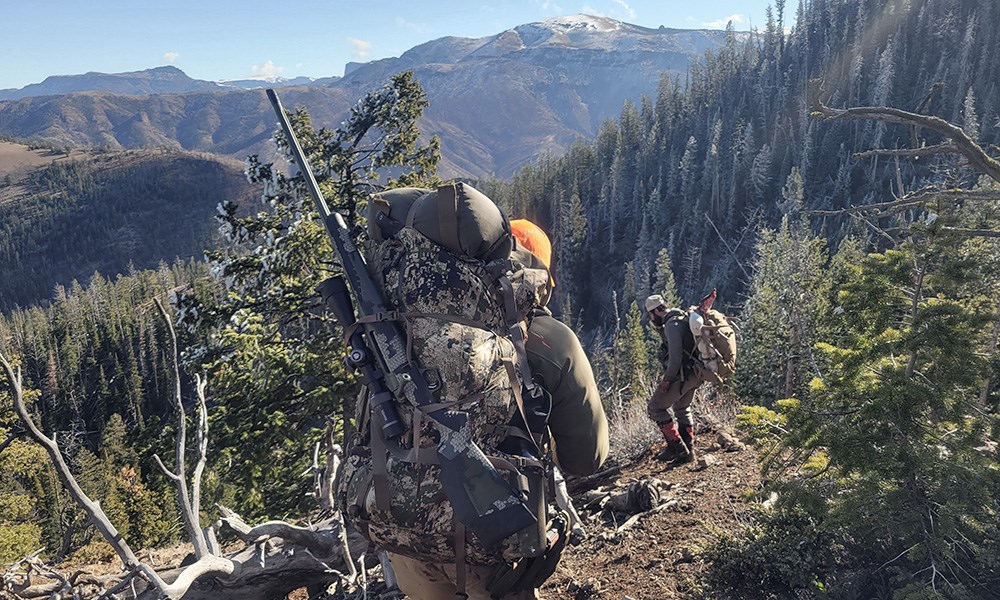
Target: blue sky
229, 39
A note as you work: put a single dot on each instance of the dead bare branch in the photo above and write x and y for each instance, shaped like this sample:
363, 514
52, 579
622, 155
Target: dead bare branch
92, 508
919, 198
189, 512
732, 252
988, 233
318, 539
963, 144
913, 153
293, 557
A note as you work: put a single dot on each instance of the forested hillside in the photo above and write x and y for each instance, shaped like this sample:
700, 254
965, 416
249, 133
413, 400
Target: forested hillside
687, 178
112, 212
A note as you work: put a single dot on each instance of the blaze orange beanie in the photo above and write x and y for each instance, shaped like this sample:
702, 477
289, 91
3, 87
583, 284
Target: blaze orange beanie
531, 237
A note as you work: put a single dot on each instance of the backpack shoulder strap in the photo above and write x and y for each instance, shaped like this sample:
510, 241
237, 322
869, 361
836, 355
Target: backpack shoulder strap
447, 199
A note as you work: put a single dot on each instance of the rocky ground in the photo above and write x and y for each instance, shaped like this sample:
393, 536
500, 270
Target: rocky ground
652, 554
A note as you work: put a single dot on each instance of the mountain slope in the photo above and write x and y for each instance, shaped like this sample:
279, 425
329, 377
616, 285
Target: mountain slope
109, 212
497, 102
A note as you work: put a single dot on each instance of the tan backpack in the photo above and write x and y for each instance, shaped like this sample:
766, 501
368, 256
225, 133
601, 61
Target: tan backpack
715, 343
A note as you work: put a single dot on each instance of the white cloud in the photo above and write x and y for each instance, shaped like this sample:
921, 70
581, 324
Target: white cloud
721, 23
416, 27
268, 69
170, 57
362, 48
590, 10
629, 11
551, 7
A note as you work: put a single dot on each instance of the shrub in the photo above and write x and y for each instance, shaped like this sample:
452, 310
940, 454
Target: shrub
783, 554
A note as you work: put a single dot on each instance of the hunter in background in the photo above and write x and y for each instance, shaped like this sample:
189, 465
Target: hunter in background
696, 345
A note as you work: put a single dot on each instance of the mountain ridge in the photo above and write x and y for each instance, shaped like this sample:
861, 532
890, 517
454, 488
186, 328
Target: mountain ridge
497, 102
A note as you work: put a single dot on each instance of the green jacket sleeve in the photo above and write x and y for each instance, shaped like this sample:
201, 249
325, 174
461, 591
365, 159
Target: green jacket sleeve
577, 422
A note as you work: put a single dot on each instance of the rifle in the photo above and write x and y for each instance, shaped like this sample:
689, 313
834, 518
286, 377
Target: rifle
480, 497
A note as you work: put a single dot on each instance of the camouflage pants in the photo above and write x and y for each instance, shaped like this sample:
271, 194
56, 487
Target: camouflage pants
421, 580
676, 399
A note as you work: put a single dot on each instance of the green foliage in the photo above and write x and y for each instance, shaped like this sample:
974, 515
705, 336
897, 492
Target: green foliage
886, 449
789, 296
18, 540
274, 358
664, 283
21, 468
95, 373
782, 554
637, 370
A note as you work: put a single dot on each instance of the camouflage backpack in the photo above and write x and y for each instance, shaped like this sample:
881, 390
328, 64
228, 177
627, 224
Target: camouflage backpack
442, 260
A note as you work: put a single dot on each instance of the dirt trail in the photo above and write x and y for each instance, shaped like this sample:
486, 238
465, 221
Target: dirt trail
655, 557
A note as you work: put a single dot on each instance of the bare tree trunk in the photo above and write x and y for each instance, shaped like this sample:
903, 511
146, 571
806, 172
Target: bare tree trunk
994, 345
189, 504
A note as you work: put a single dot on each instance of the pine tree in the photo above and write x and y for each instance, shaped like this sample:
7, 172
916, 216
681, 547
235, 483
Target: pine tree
892, 431
664, 283
633, 355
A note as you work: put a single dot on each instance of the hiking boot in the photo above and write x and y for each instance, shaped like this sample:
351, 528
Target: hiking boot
687, 436
674, 451
687, 456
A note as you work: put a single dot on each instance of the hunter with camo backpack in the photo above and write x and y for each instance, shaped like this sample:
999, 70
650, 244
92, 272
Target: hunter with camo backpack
472, 306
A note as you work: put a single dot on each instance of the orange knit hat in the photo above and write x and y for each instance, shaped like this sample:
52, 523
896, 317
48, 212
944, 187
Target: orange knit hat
531, 237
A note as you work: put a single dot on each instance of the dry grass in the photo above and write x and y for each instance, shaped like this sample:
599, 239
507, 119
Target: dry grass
632, 432
715, 408
17, 159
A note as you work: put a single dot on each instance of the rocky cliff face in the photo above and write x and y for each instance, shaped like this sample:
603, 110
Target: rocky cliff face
497, 102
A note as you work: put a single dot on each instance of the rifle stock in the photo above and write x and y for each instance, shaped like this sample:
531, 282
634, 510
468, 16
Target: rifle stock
480, 497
